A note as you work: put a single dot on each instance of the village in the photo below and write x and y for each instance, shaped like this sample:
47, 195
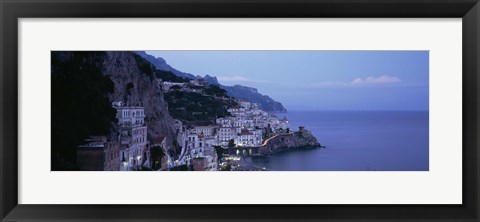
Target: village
218, 146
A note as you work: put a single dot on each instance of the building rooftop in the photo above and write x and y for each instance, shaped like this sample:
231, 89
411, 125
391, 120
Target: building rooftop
245, 132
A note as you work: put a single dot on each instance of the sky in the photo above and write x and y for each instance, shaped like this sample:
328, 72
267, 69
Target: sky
318, 80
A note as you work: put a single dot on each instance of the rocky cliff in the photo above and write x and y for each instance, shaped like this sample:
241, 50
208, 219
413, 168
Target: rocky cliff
237, 91
80, 104
135, 86
297, 140
252, 95
161, 64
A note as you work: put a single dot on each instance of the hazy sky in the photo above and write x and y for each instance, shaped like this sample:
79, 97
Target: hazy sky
318, 80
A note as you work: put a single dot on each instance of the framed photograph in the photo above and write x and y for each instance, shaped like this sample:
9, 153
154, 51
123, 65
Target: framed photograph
239, 110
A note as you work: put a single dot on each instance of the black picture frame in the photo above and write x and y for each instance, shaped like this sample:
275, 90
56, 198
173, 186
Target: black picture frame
12, 10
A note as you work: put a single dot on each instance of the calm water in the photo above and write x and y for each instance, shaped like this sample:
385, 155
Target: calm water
356, 140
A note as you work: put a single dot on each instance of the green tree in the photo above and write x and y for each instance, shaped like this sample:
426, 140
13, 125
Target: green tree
231, 143
215, 91
145, 66
219, 151
175, 87
157, 153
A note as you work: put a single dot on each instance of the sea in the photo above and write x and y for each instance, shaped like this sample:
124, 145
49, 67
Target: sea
356, 141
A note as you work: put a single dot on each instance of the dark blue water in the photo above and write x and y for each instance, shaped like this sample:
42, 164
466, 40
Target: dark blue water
357, 140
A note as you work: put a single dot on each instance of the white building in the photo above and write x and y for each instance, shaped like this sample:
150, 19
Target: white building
129, 115
198, 82
284, 123
243, 123
199, 147
133, 136
180, 132
224, 122
192, 141
166, 86
245, 104
204, 130
246, 138
225, 134
257, 137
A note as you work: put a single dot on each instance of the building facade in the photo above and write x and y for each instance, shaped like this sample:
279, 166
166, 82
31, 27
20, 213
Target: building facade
133, 136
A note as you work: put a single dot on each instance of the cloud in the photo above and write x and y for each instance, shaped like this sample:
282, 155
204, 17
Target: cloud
369, 81
238, 79
376, 80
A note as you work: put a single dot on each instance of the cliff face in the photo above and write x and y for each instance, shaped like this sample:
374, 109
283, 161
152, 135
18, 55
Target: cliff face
237, 91
134, 87
80, 104
252, 95
297, 140
211, 80
161, 64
